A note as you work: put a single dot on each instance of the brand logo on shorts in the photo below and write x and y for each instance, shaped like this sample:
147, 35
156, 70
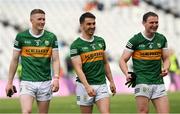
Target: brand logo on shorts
78, 98
137, 90
85, 98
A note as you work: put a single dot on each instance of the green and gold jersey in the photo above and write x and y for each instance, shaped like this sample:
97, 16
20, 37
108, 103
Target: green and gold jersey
92, 57
36, 54
147, 57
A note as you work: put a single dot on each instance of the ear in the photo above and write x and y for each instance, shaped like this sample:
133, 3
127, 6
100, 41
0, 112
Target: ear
143, 22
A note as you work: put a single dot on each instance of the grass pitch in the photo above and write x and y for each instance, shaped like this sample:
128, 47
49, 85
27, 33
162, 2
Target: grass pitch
121, 103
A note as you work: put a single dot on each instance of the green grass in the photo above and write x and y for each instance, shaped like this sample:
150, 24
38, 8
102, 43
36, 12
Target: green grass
122, 103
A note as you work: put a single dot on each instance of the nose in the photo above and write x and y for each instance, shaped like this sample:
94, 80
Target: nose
92, 26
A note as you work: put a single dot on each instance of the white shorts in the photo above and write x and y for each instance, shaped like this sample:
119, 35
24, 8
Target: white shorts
39, 90
84, 99
152, 91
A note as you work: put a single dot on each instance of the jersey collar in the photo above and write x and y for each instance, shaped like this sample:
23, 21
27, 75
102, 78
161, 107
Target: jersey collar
150, 39
36, 36
91, 40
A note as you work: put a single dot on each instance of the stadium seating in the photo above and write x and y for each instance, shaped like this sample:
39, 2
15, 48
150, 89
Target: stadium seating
115, 24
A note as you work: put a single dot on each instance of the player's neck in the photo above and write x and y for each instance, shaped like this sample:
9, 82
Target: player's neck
148, 34
87, 37
36, 32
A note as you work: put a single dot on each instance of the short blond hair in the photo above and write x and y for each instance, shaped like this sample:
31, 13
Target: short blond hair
35, 11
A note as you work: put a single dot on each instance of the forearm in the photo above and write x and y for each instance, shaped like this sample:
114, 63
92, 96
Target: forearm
108, 73
82, 77
124, 67
12, 71
56, 67
166, 64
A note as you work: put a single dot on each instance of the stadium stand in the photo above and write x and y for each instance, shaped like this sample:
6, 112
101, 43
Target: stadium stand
115, 23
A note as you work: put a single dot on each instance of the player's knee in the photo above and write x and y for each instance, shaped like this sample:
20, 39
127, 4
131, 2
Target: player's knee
143, 110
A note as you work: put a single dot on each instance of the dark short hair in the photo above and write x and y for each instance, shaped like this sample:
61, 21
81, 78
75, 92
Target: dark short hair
86, 15
148, 14
35, 11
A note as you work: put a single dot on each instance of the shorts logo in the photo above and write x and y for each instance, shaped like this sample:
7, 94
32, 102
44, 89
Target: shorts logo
144, 89
137, 90
85, 98
78, 98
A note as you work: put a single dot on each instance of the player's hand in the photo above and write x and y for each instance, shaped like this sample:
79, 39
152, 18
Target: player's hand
55, 85
91, 92
10, 90
128, 77
164, 72
112, 88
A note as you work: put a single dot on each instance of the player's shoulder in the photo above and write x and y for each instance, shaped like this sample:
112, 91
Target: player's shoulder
51, 34
77, 41
23, 33
159, 35
136, 37
98, 38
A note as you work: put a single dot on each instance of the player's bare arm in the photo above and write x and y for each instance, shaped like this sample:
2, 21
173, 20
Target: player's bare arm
76, 61
12, 69
166, 63
56, 68
123, 64
109, 75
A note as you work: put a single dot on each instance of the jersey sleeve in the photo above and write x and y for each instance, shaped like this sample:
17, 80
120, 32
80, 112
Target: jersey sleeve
55, 43
131, 44
165, 46
74, 51
104, 45
17, 42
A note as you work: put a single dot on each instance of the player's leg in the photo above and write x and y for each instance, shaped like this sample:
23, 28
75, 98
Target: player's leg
161, 104
102, 98
86, 109
143, 94
104, 105
43, 96
26, 103
43, 107
27, 95
142, 104
83, 100
160, 99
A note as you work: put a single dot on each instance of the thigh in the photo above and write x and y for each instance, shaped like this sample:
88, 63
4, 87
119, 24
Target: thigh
28, 88
161, 104
104, 105
143, 90
44, 91
43, 107
158, 91
26, 103
142, 103
101, 91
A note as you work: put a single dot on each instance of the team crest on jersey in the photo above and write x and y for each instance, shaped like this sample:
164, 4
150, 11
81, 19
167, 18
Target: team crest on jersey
159, 45
100, 45
151, 45
93, 46
46, 43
